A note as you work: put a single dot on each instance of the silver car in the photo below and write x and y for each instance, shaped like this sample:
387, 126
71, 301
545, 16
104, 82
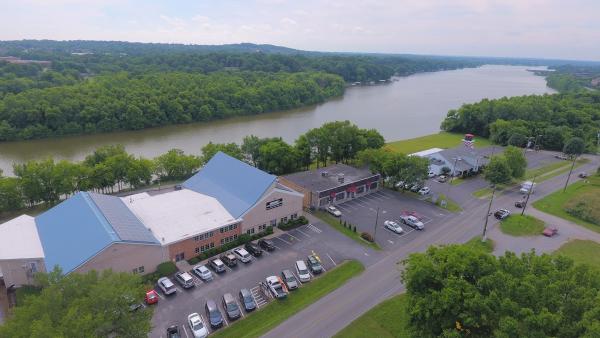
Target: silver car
302, 271
202, 272
289, 279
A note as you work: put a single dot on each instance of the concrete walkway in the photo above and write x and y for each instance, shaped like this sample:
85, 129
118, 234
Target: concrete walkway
567, 231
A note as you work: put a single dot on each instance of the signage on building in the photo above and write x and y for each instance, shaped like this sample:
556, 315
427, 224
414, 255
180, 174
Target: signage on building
274, 204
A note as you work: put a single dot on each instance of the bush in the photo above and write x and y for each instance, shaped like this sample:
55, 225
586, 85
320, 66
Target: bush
446, 170
585, 207
293, 223
166, 268
242, 239
367, 237
354, 229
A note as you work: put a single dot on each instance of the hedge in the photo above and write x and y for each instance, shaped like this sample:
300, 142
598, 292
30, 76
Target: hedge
293, 223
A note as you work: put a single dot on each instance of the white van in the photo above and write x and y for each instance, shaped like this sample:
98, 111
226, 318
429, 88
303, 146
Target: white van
242, 255
302, 271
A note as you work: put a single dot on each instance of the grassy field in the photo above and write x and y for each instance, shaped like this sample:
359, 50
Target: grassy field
476, 242
581, 251
551, 170
450, 204
261, 321
517, 225
555, 203
440, 140
387, 319
335, 223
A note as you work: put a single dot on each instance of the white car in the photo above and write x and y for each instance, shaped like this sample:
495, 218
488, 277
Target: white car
302, 271
334, 211
197, 326
413, 222
242, 255
431, 174
395, 227
424, 191
203, 272
166, 285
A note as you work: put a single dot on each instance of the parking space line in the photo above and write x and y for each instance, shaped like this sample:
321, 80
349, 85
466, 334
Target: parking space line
302, 232
206, 326
283, 240
298, 279
185, 331
294, 237
332, 261
278, 248
314, 228
391, 242
159, 295
241, 311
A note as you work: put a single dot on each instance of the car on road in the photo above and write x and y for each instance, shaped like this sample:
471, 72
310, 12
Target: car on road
550, 232
253, 249
289, 279
213, 313
266, 244
334, 211
165, 284
302, 271
412, 222
395, 227
231, 307
314, 264
442, 178
173, 332
520, 204
424, 191
242, 255
276, 287
501, 214
197, 326
247, 300
202, 272
184, 279
583, 175
151, 297
229, 259
217, 265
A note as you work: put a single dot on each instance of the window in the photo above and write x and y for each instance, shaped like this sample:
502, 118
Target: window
141, 269
196, 238
340, 196
262, 227
250, 231
197, 250
229, 239
284, 219
135, 271
360, 189
294, 216
373, 185
206, 247
324, 201
274, 204
273, 222
179, 257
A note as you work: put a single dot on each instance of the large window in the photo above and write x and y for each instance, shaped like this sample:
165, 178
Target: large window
275, 203
360, 189
228, 228
340, 196
373, 186
250, 231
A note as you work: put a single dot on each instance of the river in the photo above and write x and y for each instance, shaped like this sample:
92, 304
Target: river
409, 107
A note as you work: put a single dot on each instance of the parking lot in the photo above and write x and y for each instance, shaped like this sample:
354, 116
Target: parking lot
362, 212
313, 239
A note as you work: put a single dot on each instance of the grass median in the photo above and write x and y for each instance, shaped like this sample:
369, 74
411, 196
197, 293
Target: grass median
261, 321
335, 223
581, 251
525, 225
440, 140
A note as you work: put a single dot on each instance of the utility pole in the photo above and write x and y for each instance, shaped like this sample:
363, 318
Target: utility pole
570, 172
375, 227
487, 216
528, 194
456, 159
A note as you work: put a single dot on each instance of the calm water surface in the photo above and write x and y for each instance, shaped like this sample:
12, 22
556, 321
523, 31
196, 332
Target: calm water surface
412, 106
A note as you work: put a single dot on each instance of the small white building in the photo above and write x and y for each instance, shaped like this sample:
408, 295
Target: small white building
21, 253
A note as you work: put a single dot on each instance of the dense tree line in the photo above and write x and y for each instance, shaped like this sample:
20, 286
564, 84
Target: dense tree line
461, 291
573, 77
550, 120
126, 102
15, 78
397, 169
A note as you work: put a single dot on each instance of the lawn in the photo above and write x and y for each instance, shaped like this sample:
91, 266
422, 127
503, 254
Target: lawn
517, 225
440, 140
335, 223
551, 170
387, 319
581, 251
450, 204
555, 203
261, 321
476, 243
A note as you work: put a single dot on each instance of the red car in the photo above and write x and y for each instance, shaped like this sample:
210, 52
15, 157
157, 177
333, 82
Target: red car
151, 297
549, 232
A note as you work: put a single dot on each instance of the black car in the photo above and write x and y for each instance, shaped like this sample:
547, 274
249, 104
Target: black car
314, 265
213, 313
520, 204
247, 300
266, 244
173, 332
229, 259
501, 214
253, 249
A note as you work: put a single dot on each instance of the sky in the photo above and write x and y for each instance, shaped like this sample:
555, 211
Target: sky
513, 28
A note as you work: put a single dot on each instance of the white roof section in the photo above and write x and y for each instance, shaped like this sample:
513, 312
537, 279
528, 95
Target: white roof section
180, 214
19, 239
427, 152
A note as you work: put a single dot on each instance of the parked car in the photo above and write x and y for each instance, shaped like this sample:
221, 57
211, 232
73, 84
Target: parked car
501, 214
334, 211
289, 279
151, 297
431, 174
242, 255
217, 265
166, 286
202, 272
549, 232
520, 204
253, 249
275, 287
185, 279
229, 259
393, 226
583, 175
561, 157
412, 222
266, 244
197, 326
416, 187
442, 178
213, 313
412, 213
231, 307
247, 300
177, 187
314, 265
424, 191
173, 332
302, 271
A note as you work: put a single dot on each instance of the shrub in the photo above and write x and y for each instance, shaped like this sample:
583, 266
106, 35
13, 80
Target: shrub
242, 239
354, 229
585, 207
446, 170
166, 268
194, 260
293, 223
367, 237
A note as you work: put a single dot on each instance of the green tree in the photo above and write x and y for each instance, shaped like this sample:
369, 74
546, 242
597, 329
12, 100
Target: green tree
81, 305
498, 171
373, 138
574, 147
304, 151
175, 165
210, 149
11, 197
516, 161
517, 140
278, 157
250, 147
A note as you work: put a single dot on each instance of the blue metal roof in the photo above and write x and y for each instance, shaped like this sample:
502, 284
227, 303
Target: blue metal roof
77, 229
235, 184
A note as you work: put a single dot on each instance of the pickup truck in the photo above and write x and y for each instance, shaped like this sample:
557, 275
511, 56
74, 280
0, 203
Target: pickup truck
276, 287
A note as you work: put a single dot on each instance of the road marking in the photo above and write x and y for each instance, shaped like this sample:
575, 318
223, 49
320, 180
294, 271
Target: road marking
184, 330
159, 295
366, 254
302, 232
392, 242
298, 279
314, 228
205, 322
294, 237
275, 246
239, 307
283, 240
332, 261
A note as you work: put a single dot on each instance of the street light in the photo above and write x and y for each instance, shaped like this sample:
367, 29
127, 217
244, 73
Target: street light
375, 226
